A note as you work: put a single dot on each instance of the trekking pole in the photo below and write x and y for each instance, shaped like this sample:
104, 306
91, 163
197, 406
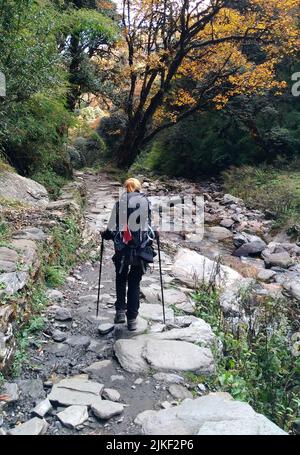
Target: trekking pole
100, 273
161, 280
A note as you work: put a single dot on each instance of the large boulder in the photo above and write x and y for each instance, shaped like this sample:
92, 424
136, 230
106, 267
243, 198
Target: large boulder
22, 189
192, 268
216, 413
144, 352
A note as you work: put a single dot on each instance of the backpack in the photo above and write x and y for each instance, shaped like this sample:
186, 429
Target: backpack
134, 248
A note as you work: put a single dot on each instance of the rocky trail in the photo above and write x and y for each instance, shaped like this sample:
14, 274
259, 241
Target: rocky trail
85, 376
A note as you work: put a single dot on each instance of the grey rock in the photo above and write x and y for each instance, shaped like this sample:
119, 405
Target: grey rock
32, 427
251, 248
54, 295
117, 377
111, 394
179, 392
32, 388
266, 275
105, 328
73, 416
277, 259
227, 223
14, 186
191, 267
192, 415
7, 267
62, 314
178, 356
10, 389
58, 336
79, 341
293, 289
31, 233
229, 199
197, 332
72, 391
154, 312
169, 378
42, 408
106, 409
96, 368
242, 238
129, 354
218, 233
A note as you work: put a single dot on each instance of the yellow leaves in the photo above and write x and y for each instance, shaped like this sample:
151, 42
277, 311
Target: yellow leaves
184, 98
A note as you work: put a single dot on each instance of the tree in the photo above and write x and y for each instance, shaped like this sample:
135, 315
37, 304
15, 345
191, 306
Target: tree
89, 30
181, 56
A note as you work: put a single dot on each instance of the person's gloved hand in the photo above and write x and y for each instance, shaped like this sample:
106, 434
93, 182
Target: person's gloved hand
106, 235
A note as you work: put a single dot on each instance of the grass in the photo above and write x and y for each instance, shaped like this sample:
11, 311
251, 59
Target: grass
61, 255
267, 188
5, 232
51, 181
54, 276
30, 322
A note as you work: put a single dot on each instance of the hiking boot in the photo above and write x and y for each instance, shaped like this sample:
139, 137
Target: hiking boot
132, 325
120, 317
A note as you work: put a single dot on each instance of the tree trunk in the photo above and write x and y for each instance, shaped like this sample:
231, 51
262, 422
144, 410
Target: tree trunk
74, 92
129, 149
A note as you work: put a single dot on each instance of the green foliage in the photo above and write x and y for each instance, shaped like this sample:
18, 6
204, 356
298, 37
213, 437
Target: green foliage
54, 276
257, 364
62, 254
5, 231
31, 322
270, 189
51, 180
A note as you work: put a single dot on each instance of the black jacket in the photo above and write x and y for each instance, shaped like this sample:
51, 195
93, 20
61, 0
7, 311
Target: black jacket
133, 210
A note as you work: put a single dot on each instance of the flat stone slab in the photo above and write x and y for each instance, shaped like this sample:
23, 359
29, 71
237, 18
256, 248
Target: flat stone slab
42, 408
139, 354
179, 392
200, 416
79, 341
191, 267
197, 332
32, 427
178, 356
106, 409
111, 394
105, 328
154, 312
80, 392
129, 354
96, 368
169, 377
73, 416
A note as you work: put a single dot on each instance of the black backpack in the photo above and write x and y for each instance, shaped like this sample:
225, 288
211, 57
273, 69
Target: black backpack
134, 247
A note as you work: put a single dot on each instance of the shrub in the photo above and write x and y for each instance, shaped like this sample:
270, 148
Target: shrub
269, 189
258, 364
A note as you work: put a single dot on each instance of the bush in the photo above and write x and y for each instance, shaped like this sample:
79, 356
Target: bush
258, 364
269, 189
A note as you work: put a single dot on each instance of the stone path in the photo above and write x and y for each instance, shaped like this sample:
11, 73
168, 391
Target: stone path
87, 376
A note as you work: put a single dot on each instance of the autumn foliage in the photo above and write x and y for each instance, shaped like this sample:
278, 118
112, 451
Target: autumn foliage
181, 56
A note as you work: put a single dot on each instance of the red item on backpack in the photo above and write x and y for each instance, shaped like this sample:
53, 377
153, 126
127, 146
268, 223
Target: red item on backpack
127, 235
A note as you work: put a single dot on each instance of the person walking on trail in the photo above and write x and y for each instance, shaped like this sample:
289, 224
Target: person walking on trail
130, 229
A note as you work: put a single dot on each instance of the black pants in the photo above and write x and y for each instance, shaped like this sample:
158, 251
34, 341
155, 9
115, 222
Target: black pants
132, 275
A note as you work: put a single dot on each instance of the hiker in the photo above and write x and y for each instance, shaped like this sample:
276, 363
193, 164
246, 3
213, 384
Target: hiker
130, 229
